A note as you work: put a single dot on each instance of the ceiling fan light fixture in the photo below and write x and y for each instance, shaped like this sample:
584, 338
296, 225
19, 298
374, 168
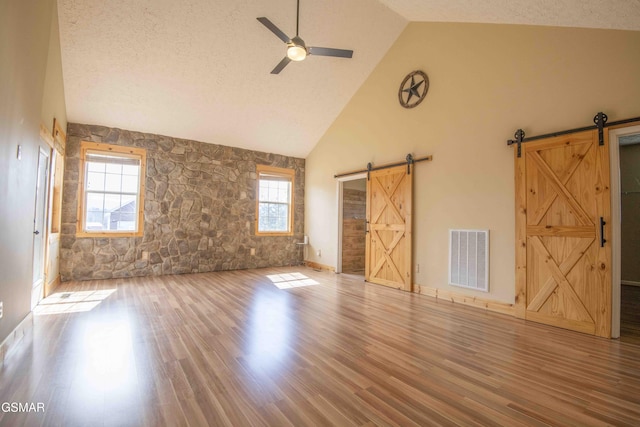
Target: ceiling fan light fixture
296, 53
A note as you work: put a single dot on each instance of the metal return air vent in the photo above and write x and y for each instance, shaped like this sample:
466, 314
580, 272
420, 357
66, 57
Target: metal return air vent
469, 259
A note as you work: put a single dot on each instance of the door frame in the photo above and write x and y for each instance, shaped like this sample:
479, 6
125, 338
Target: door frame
46, 150
616, 219
340, 186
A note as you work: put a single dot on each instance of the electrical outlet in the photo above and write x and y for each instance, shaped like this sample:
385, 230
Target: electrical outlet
1, 309
319, 252
253, 251
417, 268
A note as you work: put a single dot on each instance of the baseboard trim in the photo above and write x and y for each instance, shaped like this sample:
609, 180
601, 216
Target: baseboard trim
318, 266
473, 301
16, 336
630, 283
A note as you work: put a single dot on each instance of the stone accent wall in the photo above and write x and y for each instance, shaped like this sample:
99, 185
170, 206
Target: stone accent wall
353, 230
200, 207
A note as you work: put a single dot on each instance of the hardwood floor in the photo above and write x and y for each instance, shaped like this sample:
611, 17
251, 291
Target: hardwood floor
231, 348
630, 314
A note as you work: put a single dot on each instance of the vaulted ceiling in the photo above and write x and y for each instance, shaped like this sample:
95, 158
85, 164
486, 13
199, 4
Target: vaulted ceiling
200, 69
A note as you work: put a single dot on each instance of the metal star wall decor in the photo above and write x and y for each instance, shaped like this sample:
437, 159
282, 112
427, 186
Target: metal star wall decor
413, 89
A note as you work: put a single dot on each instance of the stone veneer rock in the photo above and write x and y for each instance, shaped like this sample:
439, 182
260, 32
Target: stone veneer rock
200, 203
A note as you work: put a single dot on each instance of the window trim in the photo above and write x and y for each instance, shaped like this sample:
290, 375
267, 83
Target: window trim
137, 153
285, 173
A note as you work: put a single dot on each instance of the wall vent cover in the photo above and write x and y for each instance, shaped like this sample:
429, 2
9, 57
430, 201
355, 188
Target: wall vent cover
469, 259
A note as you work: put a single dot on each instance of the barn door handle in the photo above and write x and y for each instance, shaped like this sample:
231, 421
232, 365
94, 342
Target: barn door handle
366, 226
602, 239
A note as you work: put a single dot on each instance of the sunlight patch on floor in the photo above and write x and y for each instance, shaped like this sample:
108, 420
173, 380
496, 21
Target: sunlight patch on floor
291, 280
71, 302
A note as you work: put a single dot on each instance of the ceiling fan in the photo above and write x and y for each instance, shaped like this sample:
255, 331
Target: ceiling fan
296, 49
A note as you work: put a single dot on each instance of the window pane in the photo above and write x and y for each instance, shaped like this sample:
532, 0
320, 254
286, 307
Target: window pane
95, 181
282, 224
273, 223
124, 217
126, 225
95, 212
283, 195
95, 166
111, 202
263, 210
130, 170
267, 188
113, 182
283, 210
263, 213
129, 184
128, 206
263, 191
114, 168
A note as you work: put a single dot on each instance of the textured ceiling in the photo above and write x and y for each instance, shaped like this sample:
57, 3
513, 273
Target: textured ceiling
200, 69
613, 14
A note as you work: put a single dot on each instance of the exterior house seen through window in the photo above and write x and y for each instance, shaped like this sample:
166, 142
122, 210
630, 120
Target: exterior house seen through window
111, 189
274, 201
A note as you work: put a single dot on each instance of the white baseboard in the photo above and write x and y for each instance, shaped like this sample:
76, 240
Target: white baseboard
630, 283
15, 336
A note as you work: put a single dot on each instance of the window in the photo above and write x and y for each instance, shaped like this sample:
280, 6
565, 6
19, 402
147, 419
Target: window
111, 201
274, 201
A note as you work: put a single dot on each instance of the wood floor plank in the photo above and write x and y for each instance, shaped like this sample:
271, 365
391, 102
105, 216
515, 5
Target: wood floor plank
232, 349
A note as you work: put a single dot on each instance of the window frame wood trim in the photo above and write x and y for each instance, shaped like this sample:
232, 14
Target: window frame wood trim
284, 172
132, 152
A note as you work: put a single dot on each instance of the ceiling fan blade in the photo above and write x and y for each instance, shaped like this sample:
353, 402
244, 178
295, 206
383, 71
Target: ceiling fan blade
275, 30
327, 51
281, 65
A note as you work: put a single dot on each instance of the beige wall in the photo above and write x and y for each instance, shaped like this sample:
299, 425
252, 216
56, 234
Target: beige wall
53, 102
630, 226
486, 82
25, 30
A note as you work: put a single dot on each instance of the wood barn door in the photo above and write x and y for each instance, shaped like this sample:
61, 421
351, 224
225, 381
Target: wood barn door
388, 246
563, 204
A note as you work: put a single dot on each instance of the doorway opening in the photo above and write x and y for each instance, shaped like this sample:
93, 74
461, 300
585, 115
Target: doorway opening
352, 210
625, 200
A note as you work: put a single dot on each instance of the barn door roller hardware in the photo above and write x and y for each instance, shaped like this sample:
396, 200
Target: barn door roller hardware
600, 121
409, 160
